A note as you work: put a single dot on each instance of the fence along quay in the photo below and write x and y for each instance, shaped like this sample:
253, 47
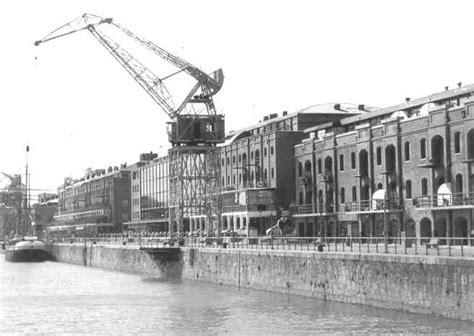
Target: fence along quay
429, 278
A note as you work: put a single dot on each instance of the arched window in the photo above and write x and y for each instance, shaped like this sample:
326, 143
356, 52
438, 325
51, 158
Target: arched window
353, 160
379, 156
273, 172
457, 142
424, 187
343, 195
407, 151
408, 189
470, 144
341, 162
265, 174
354, 194
423, 148
459, 188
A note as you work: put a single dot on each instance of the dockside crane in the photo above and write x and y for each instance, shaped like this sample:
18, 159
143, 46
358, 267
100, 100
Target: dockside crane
194, 132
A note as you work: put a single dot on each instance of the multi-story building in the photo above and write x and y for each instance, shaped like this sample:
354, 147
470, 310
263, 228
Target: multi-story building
405, 170
257, 165
98, 202
149, 194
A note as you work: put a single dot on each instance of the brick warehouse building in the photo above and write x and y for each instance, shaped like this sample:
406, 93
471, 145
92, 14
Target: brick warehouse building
337, 169
407, 169
257, 167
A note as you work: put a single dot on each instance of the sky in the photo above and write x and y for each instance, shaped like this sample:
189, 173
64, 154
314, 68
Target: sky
77, 108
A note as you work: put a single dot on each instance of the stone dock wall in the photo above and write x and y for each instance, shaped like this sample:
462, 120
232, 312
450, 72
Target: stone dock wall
421, 284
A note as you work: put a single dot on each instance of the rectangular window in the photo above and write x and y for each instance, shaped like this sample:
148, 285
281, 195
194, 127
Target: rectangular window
341, 162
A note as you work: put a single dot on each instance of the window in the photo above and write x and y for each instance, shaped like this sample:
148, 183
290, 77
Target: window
273, 172
240, 158
408, 189
272, 150
320, 166
423, 148
424, 187
457, 142
341, 162
343, 196
379, 156
265, 152
300, 198
265, 174
228, 160
223, 161
407, 151
233, 159
354, 193
353, 160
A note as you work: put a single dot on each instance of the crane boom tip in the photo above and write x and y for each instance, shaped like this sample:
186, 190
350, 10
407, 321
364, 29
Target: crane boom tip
37, 43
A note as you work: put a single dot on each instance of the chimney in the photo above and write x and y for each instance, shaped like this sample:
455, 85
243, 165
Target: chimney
265, 118
285, 113
407, 99
337, 107
273, 115
446, 88
459, 84
361, 107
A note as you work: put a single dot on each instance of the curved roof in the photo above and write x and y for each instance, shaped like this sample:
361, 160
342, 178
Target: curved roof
341, 108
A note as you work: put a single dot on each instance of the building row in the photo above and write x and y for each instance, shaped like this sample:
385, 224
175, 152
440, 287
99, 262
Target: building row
334, 169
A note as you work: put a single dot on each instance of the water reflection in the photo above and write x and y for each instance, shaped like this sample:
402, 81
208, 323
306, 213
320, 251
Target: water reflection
67, 299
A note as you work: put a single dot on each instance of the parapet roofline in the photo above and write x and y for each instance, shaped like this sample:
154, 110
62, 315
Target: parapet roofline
436, 97
323, 109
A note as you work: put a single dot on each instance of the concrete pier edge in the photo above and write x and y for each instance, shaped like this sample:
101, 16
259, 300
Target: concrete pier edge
434, 285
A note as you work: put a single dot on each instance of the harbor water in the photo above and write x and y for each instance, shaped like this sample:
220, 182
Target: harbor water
58, 298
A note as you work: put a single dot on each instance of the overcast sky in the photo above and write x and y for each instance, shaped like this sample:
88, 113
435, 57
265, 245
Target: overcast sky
77, 108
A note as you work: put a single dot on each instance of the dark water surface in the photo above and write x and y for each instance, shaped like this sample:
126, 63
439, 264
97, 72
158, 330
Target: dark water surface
57, 298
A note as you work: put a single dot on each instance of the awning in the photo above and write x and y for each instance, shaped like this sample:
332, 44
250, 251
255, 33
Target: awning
445, 196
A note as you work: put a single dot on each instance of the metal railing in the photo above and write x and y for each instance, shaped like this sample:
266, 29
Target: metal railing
358, 206
439, 246
444, 200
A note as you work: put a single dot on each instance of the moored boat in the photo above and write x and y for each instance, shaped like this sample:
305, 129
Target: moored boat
27, 249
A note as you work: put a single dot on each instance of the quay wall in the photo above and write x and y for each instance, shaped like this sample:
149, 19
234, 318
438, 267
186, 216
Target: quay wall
421, 284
